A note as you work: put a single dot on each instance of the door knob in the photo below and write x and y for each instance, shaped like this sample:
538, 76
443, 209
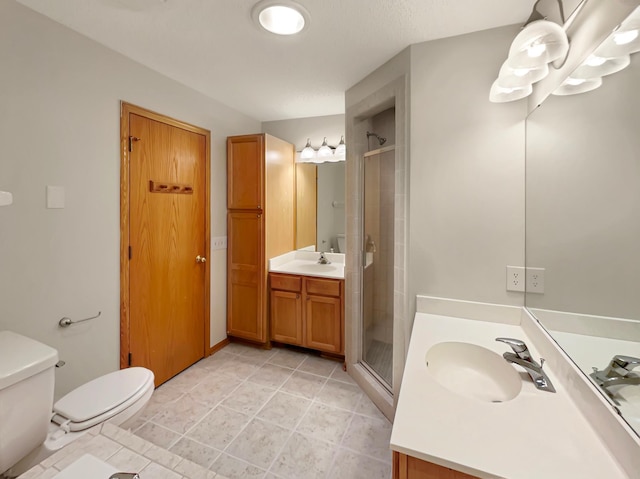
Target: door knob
201, 259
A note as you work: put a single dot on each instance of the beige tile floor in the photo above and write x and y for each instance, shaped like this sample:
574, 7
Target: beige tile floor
249, 413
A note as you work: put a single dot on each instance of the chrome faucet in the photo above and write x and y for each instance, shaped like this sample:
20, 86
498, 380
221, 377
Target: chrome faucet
617, 373
323, 259
522, 357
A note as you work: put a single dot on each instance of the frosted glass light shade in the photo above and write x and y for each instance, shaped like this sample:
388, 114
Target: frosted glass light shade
573, 86
520, 77
538, 43
325, 150
340, 153
610, 65
499, 94
308, 152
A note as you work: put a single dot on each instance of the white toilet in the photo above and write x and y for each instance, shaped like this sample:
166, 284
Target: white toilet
30, 428
342, 243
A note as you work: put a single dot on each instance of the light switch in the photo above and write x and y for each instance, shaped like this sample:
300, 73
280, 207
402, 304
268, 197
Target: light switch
55, 196
6, 198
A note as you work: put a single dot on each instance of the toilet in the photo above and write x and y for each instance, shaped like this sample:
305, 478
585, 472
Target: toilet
30, 428
342, 243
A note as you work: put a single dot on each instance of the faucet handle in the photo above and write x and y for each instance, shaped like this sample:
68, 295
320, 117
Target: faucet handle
519, 347
624, 364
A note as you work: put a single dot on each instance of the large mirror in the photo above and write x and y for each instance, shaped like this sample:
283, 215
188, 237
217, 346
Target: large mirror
320, 206
583, 231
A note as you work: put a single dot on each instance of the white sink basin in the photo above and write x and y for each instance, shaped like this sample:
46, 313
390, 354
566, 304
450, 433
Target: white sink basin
473, 371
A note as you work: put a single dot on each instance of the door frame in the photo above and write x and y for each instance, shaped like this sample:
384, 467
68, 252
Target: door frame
125, 110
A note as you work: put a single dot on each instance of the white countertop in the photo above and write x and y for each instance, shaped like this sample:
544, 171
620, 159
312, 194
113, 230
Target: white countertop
536, 435
306, 263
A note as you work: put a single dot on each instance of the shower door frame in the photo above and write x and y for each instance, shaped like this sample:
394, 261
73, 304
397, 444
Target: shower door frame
393, 94
377, 152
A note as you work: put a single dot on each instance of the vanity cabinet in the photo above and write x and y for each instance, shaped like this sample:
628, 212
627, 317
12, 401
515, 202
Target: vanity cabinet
308, 311
260, 225
409, 467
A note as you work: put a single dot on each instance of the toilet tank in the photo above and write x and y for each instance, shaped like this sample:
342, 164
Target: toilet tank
26, 395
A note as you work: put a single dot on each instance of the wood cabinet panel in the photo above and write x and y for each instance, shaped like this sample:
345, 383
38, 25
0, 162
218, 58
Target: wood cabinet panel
409, 467
286, 311
261, 225
324, 287
245, 171
286, 282
316, 321
246, 281
323, 323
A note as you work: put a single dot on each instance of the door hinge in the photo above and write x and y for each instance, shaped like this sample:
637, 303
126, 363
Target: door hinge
131, 140
130, 252
129, 359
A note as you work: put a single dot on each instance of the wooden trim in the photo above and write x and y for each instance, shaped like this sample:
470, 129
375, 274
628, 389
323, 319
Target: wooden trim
217, 347
125, 110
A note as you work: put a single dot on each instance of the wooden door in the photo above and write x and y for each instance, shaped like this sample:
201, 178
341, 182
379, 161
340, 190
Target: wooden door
286, 317
245, 172
323, 322
168, 310
246, 315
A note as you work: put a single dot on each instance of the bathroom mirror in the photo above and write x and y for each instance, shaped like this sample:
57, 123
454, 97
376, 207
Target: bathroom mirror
583, 227
321, 212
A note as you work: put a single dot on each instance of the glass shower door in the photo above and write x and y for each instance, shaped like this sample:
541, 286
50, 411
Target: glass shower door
378, 267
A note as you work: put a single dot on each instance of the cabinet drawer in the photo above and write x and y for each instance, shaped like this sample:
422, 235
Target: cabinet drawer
286, 283
324, 287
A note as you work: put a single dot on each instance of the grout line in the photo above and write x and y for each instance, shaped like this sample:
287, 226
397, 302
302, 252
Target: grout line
259, 363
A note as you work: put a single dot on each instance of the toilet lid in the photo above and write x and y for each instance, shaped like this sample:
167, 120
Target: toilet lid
102, 394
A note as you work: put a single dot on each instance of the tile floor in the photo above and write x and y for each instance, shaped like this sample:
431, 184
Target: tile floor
249, 413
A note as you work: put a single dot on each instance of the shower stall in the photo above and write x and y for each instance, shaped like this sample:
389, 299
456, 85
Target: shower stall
378, 268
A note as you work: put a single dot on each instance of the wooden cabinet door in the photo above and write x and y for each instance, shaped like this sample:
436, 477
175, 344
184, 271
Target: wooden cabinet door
409, 467
246, 315
286, 317
323, 323
245, 172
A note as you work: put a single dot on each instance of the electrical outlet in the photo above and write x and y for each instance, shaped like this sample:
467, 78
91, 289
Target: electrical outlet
535, 280
515, 278
219, 242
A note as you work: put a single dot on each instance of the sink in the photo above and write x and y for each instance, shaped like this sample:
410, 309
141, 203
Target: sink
473, 371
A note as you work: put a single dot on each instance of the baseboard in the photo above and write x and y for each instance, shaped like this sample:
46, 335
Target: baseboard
217, 347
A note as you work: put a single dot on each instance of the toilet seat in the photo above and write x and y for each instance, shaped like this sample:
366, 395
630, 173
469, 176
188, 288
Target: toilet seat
102, 398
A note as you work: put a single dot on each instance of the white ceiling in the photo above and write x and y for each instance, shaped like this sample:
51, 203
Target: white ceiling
214, 47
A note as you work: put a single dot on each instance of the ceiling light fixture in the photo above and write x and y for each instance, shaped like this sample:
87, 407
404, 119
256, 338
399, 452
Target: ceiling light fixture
282, 17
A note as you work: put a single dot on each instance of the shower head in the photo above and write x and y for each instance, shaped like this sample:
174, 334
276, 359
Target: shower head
381, 139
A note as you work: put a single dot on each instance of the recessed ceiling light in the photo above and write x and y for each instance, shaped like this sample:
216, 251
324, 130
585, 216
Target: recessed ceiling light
281, 17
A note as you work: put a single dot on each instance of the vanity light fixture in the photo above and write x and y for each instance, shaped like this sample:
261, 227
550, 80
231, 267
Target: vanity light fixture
324, 154
540, 42
282, 17
612, 56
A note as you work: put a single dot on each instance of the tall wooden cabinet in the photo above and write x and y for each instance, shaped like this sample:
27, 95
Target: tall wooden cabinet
260, 225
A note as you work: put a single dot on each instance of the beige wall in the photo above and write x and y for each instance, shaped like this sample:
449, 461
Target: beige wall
467, 171
60, 97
